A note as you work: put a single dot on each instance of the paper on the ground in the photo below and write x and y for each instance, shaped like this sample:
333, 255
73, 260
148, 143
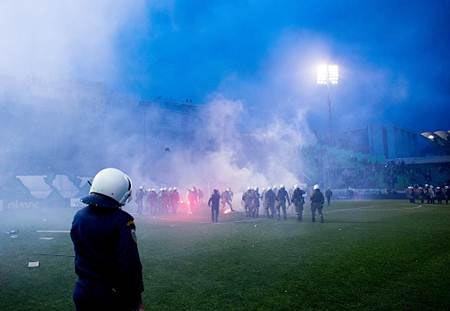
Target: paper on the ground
46, 238
14, 236
33, 264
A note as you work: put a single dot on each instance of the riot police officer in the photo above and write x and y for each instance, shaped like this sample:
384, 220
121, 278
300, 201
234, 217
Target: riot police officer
227, 199
140, 200
106, 255
299, 202
317, 200
269, 202
282, 198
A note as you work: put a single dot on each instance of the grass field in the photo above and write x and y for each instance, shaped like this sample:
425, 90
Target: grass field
372, 255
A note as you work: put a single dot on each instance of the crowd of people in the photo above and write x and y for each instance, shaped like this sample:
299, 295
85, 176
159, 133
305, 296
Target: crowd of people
271, 202
428, 194
274, 202
166, 200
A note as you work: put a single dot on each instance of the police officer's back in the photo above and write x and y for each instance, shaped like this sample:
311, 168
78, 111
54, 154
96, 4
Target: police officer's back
106, 256
317, 200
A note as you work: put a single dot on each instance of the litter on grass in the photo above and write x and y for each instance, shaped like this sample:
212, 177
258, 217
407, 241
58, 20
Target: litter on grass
46, 238
33, 264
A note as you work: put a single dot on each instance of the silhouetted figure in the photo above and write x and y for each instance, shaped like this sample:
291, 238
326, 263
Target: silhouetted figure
328, 195
214, 204
317, 200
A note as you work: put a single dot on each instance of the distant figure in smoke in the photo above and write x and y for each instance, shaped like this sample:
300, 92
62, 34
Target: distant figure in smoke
106, 254
165, 201
199, 196
248, 200
282, 198
175, 200
269, 202
439, 195
317, 201
256, 202
410, 194
447, 194
140, 200
193, 199
214, 203
227, 199
431, 194
328, 195
299, 201
420, 194
152, 201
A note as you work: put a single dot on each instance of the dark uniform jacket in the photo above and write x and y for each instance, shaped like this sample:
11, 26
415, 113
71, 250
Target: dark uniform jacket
317, 197
297, 196
283, 196
214, 200
106, 259
269, 197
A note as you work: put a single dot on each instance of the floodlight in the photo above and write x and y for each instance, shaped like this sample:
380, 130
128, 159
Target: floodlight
327, 74
322, 74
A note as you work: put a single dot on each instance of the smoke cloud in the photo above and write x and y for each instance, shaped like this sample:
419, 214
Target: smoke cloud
61, 112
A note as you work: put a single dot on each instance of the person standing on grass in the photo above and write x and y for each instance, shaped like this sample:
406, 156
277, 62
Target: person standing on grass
439, 195
317, 201
214, 203
299, 201
282, 198
328, 195
447, 194
140, 200
106, 254
269, 202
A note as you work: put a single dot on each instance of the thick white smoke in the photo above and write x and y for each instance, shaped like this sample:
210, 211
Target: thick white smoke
61, 116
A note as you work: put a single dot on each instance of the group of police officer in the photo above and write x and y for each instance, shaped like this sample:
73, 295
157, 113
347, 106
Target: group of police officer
166, 200
428, 194
276, 201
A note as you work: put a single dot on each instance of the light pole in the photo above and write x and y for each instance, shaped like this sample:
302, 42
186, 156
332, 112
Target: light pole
328, 74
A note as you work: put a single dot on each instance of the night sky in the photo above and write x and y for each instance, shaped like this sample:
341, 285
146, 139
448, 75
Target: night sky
394, 55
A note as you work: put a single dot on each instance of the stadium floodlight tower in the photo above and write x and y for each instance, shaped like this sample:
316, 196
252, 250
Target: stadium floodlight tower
328, 74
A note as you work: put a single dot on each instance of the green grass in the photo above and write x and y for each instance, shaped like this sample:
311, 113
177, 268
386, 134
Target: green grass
371, 255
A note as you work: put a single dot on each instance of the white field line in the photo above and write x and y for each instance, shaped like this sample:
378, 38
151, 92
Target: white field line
53, 231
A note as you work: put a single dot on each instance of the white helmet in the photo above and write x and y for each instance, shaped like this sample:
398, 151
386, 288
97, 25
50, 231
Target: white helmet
112, 183
316, 187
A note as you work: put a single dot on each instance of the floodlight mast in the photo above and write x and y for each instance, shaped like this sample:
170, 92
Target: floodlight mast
328, 74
